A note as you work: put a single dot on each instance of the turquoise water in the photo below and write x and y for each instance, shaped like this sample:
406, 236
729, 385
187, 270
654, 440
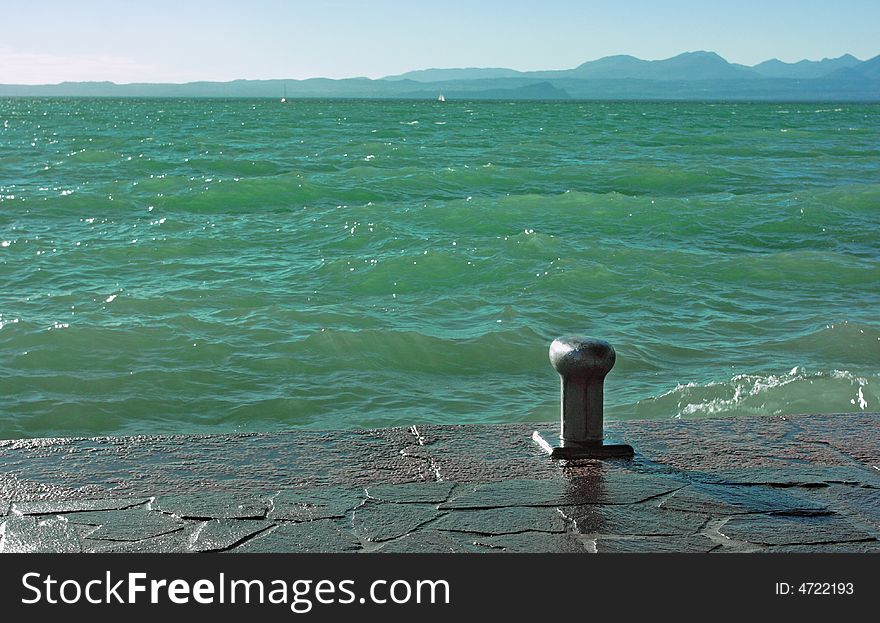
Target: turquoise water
215, 266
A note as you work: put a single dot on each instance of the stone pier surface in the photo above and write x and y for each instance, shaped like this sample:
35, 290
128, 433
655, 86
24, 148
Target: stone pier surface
807, 483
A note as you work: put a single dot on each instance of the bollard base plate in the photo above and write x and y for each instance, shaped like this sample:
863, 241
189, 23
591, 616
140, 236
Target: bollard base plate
597, 451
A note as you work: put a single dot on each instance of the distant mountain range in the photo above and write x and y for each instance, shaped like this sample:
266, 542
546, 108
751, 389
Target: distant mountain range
688, 76
688, 67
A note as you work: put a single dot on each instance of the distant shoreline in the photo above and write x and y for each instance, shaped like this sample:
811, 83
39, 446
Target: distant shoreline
451, 100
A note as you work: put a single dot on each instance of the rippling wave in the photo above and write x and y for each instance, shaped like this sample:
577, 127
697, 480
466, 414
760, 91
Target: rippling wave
209, 266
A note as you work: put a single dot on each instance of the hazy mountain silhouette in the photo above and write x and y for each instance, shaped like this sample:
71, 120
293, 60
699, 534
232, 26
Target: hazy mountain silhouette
465, 73
867, 70
775, 68
687, 66
689, 76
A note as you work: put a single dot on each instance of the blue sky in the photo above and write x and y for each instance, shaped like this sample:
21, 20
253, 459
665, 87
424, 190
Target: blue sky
47, 41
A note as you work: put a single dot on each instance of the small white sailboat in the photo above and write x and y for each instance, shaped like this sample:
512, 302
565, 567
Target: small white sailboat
441, 98
284, 96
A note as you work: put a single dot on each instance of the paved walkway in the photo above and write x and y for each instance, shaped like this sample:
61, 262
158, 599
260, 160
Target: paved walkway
768, 484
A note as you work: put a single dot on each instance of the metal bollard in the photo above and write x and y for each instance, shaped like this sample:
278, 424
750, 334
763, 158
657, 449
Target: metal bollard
582, 364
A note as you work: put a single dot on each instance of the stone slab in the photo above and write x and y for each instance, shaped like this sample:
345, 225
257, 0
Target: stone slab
863, 547
426, 541
635, 519
220, 535
412, 492
696, 544
177, 541
214, 505
710, 445
608, 486
534, 542
852, 436
133, 524
385, 521
60, 507
322, 536
726, 499
860, 503
24, 534
311, 504
787, 530
805, 476
502, 520
79, 467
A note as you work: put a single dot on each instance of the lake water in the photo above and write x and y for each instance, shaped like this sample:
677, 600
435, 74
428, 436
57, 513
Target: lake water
173, 266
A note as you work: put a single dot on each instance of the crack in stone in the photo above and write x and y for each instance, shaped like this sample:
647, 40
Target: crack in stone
823, 543
588, 544
664, 494
239, 542
249, 537
568, 521
805, 438
195, 535
60, 510
413, 531
421, 441
494, 534
800, 512
415, 542
699, 530
712, 531
143, 540
362, 504
415, 432
270, 506
369, 533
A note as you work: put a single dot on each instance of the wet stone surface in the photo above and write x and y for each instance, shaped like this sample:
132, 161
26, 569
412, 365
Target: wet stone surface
525, 542
427, 541
864, 547
59, 507
692, 545
214, 505
24, 534
860, 502
126, 525
856, 439
319, 536
809, 476
613, 486
737, 499
641, 519
761, 484
384, 521
169, 543
220, 535
314, 504
506, 520
412, 492
784, 530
